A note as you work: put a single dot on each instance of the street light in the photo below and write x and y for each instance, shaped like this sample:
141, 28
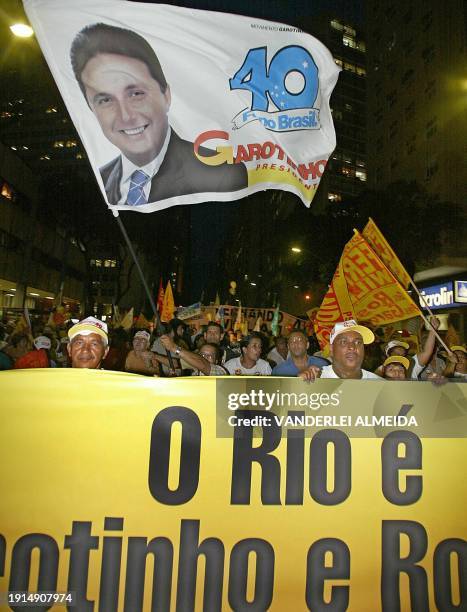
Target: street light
296, 249
22, 30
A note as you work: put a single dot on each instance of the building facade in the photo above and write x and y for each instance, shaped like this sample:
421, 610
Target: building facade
417, 95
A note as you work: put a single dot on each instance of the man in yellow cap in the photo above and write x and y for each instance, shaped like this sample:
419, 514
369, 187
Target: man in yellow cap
88, 344
395, 368
347, 350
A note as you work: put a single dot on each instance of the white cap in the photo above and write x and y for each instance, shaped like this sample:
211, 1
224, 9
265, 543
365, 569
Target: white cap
87, 326
42, 342
142, 334
394, 343
351, 325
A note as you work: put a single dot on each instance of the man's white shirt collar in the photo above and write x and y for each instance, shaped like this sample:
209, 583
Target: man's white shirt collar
150, 169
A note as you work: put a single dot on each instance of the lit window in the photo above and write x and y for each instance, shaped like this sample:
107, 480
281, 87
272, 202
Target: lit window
6, 115
348, 41
337, 25
13, 148
80, 156
339, 62
349, 30
346, 171
361, 174
334, 197
360, 162
58, 144
361, 71
361, 46
349, 67
25, 148
44, 158
71, 143
51, 109
98, 263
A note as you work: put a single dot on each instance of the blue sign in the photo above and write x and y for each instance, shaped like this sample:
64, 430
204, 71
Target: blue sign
438, 296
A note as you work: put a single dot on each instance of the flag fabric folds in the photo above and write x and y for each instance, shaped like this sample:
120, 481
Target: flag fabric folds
362, 288
168, 306
127, 321
239, 320
383, 249
275, 322
236, 104
160, 296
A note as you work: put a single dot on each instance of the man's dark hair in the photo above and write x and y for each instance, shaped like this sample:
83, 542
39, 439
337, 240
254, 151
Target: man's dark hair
102, 38
246, 341
214, 324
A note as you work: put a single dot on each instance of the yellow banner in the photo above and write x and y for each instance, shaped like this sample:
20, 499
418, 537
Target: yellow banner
383, 249
120, 490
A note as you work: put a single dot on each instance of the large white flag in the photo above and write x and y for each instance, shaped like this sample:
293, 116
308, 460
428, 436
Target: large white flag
179, 106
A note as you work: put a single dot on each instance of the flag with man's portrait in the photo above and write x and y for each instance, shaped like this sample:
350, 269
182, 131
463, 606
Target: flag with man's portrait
180, 106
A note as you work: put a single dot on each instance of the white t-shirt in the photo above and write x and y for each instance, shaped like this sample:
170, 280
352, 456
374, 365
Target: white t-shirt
328, 372
275, 356
424, 372
261, 368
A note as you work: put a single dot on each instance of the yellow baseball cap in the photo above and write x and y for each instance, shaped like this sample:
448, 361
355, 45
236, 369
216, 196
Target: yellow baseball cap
398, 359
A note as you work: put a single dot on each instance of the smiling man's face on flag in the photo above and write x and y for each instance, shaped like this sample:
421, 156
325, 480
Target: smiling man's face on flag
129, 105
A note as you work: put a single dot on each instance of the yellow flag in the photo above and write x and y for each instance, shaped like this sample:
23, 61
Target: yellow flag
21, 326
259, 322
362, 288
168, 306
377, 296
382, 248
127, 321
238, 322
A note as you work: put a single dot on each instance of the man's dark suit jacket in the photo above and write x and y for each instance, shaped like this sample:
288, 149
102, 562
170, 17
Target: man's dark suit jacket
180, 173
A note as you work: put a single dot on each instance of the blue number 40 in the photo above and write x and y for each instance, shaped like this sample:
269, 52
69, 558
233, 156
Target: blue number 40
254, 77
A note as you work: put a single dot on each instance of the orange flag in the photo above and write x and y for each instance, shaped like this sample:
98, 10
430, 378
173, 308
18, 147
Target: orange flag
168, 306
142, 322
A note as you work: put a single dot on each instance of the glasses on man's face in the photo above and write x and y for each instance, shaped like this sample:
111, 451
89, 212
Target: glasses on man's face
346, 342
208, 356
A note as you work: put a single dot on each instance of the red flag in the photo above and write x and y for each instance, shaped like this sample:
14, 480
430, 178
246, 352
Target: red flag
160, 296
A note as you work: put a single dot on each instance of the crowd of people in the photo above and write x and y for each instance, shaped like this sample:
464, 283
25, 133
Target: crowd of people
179, 350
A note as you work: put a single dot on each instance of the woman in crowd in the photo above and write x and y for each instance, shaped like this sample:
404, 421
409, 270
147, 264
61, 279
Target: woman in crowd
249, 363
